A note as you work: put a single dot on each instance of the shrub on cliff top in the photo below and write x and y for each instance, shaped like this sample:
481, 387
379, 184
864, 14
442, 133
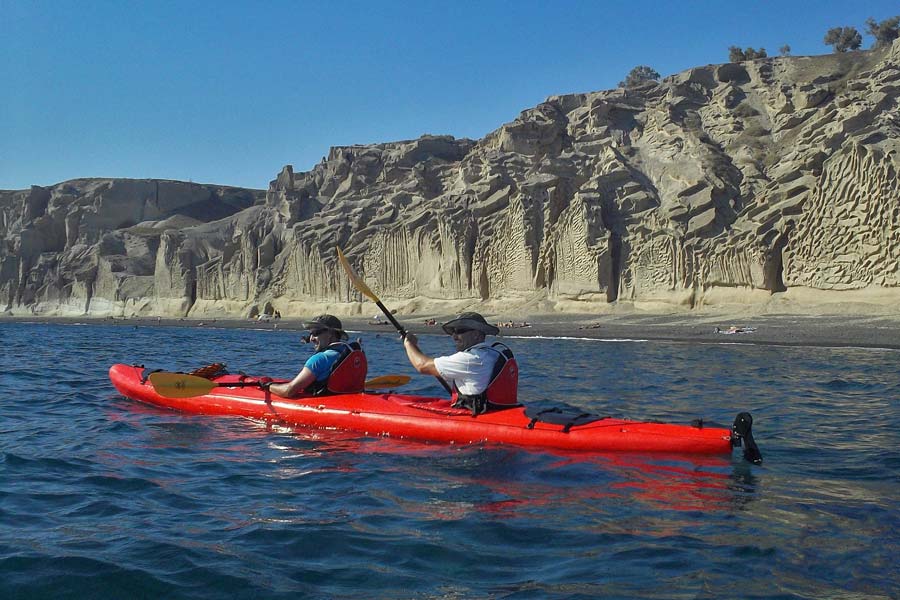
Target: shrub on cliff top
735, 54
885, 32
843, 38
638, 75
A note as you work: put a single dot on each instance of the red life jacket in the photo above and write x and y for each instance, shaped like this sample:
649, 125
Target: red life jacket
501, 392
348, 374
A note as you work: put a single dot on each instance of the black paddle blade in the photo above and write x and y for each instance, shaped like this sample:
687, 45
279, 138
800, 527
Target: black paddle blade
741, 433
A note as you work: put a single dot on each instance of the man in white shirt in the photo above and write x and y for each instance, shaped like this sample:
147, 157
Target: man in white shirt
469, 371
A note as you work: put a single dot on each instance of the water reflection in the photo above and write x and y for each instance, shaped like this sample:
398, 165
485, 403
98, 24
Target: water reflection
514, 482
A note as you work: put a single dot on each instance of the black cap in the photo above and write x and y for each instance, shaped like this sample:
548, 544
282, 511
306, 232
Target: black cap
326, 322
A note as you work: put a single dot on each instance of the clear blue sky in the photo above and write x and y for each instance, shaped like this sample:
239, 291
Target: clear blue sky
229, 92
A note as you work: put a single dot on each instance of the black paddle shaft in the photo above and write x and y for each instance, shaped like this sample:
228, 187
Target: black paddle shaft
402, 332
391, 318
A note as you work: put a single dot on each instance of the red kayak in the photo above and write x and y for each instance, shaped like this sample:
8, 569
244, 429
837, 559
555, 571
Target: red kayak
430, 419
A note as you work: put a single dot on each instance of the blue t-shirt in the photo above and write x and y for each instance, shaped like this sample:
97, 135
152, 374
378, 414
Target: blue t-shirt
321, 363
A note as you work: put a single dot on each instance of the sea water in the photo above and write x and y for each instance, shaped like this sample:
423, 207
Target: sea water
103, 497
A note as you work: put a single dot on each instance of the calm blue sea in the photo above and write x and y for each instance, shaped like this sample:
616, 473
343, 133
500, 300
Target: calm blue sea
102, 497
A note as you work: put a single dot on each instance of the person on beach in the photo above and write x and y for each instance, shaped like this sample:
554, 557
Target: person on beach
481, 376
337, 366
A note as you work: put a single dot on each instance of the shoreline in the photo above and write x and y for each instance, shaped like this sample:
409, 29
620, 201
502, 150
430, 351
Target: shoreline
825, 330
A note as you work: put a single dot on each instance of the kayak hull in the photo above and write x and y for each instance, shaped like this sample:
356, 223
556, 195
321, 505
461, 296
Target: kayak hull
427, 418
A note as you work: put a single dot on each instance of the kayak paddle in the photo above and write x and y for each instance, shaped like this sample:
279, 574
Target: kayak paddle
365, 290
384, 382
181, 385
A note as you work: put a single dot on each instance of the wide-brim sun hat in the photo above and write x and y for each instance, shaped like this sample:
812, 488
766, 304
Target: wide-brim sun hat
326, 322
469, 320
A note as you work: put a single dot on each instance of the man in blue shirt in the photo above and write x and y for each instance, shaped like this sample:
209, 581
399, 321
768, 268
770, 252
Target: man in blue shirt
326, 331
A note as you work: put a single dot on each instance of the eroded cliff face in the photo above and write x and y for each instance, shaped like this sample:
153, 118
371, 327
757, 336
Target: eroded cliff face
110, 247
721, 185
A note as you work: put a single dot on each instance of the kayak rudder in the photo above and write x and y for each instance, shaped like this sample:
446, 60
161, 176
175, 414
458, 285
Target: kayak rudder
742, 435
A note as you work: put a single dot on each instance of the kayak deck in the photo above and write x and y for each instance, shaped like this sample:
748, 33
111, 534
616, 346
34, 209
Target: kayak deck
427, 418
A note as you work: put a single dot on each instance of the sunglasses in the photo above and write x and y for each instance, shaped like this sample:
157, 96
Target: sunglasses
316, 332
459, 330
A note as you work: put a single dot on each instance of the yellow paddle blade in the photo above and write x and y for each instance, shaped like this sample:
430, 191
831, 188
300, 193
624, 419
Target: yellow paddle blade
179, 385
354, 278
364, 289
387, 381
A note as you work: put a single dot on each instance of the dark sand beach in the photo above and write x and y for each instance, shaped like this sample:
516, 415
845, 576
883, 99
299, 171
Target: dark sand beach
866, 331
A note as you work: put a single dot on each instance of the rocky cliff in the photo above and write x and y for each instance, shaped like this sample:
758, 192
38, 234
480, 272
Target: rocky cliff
725, 185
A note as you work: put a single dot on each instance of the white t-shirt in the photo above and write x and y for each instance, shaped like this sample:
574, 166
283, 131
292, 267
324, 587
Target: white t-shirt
470, 369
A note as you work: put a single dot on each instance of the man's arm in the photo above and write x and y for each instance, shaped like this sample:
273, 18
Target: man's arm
420, 361
288, 390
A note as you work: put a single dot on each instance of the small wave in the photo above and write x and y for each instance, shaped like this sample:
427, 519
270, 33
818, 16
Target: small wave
39, 464
118, 484
847, 385
573, 338
48, 576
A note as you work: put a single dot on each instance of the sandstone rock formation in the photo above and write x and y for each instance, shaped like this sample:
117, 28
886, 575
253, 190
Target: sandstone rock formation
111, 247
727, 184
